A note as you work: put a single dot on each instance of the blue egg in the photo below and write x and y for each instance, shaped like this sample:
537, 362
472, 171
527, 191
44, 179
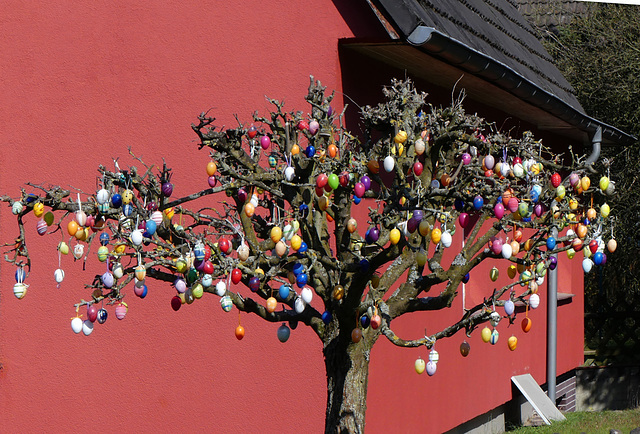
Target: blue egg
310, 151
465, 279
302, 279
303, 247
365, 321
127, 210
116, 200
459, 204
283, 292
283, 333
104, 238
598, 258
364, 265
304, 210
20, 275
478, 201
357, 199
551, 243
151, 228
326, 317
297, 268
144, 291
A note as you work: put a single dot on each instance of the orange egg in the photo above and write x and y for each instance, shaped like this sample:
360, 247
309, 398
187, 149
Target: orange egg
515, 247
332, 150
295, 149
239, 332
526, 324
338, 292
72, 227
329, 218
591, 214
445, 180
249, 209
512, 343
272, 303
518, 235
352, 225
581, 230
212, 168
528, 245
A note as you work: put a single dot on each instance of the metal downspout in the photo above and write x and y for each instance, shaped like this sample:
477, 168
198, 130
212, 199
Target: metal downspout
552, 301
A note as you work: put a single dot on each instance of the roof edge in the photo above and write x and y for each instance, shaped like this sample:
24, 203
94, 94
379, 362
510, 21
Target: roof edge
464, 57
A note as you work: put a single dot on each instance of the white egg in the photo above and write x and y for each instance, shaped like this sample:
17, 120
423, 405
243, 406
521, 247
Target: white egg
58, 275
87, 327
76, 325
289, 173
17, 207
389, 163
81, 218
507, 250
20, 290
221, 288
299, 305
136, 237
78, 251
587, 264
254, 200
102, 196
307, 295
118, 270
446, 239
243, 252
534, 301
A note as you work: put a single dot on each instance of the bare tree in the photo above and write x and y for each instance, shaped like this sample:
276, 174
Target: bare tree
289, 233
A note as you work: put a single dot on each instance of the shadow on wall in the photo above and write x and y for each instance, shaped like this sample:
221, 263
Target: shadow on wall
608, 388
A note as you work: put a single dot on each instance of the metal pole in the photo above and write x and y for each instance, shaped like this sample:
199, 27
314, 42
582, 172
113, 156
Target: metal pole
552, 327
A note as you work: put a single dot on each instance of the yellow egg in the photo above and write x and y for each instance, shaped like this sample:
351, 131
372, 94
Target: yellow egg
120, 249
604, 183
573, 204
38, 209
585, 183
394, 236
323, 203
401, 137
605, 210
259, 271
276, 234
511, 271
493, 274
169, 212
486, 334
127, 196
571, 253
436, 234
424, 227
296, 241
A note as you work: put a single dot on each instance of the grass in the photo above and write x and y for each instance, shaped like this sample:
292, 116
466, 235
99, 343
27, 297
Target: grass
589, 422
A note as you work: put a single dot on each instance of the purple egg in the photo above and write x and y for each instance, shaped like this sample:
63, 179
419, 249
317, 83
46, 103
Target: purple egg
254, 283
107, 280
366, 181
412, 225
199, 265
538, 209
489, 162
212, 181
374, 234
553, 263
167, 188
242, 195
418, 214
466, 158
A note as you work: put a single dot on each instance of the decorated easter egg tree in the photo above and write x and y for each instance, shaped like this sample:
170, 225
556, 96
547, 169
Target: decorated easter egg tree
293, 242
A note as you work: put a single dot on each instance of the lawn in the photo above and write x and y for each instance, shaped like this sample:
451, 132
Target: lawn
589, 422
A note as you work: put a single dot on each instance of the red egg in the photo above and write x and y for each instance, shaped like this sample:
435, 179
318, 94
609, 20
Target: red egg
207, 268
593, 246
322, 180
375, 321
92, 313
224, 245
176, 303
417, 168
556, 180
236, 275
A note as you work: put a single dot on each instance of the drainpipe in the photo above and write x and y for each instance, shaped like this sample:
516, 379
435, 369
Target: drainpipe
552, 296
552, 327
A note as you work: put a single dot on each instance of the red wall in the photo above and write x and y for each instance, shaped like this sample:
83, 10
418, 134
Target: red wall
80, 84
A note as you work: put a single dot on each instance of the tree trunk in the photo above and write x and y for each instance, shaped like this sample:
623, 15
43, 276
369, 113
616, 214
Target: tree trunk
347, 366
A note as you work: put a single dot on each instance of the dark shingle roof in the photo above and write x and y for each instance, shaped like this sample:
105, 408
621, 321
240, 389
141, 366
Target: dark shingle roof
494, 28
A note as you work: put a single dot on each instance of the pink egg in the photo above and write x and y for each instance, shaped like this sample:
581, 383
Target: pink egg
265, 142
498, 210
513, 204
121, 311
463, 219
359, 189
41, 227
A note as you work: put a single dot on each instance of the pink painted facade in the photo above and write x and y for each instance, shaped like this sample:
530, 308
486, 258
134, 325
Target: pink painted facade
80, 84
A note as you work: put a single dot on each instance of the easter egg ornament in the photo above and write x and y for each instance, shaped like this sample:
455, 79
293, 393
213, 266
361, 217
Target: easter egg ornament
486, 334
226, 303
494, 337
465, 348
419, 365
76, 325
239, 332
526, 324
512, 343
283, 333
102, 315
121, 310
431, 368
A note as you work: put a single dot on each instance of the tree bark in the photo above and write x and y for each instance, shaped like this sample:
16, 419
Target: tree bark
347, 366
